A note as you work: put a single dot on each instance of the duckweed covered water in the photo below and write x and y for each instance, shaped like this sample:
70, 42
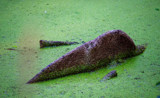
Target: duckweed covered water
24, 22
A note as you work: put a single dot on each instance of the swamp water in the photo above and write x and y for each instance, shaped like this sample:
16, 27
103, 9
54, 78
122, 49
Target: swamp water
24, 22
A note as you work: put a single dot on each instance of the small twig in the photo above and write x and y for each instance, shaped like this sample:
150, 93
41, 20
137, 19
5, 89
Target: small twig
10, 49
45, 43
110, 75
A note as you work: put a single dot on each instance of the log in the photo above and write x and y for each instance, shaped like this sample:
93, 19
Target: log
45, 43
112, 45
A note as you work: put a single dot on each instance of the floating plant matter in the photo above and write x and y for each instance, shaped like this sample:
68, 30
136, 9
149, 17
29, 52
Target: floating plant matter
112, 45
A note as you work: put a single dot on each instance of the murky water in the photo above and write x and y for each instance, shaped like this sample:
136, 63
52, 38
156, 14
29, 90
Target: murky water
24, 22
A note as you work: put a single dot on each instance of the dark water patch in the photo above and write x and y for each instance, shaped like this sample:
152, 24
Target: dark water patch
83, 42
158, 83
153, 74
10, 49
157, 9
136, 78
3, 37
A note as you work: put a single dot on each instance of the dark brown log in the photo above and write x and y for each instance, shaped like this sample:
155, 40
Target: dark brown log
45, 43
91, 55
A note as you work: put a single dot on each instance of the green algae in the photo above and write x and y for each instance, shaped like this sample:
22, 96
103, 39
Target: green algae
24, 22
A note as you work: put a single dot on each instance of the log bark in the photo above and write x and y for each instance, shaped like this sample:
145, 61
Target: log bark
45, 43
94, 54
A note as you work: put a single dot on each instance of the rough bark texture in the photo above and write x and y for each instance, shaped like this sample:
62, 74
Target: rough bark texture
96, 53
45, 43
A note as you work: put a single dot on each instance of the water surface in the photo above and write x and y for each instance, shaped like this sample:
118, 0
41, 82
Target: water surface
24, 22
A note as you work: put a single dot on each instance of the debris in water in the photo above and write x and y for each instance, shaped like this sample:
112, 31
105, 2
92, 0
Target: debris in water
45, 43
110, 75
112, 45
10, 49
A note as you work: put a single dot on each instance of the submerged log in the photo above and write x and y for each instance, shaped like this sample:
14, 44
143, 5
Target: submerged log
45, 43
91, 55
110, 75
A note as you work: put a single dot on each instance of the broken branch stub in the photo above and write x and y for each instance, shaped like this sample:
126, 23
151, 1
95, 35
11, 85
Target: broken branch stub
45, 43
91, 55
110, 75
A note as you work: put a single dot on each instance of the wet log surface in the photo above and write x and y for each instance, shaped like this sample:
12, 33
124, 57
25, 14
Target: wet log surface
112, 45
45, 43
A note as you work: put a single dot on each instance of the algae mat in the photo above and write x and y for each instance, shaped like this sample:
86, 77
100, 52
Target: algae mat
24, 22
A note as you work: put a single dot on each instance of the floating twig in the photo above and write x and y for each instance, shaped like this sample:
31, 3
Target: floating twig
10, 49
45, 43
110, 75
